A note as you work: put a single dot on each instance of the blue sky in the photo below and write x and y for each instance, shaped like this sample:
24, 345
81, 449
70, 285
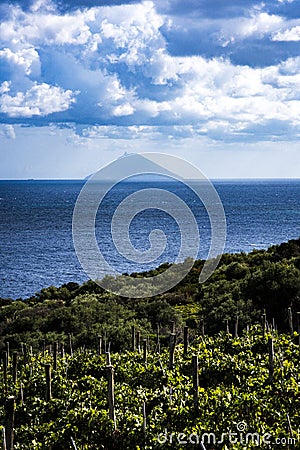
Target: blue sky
215, 82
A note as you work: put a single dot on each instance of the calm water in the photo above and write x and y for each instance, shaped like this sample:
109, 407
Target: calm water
36, 246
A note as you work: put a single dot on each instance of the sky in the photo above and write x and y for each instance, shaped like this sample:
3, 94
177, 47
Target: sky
216, 82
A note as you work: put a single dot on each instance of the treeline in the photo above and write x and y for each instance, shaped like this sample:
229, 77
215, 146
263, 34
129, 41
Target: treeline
243, 286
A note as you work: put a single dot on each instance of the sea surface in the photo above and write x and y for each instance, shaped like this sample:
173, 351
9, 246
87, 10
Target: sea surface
36, 244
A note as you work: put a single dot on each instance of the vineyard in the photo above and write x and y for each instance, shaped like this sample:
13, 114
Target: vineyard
207, 392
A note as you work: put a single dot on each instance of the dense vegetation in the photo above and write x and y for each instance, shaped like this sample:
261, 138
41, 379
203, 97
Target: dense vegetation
238, 394
243, 285
242, 388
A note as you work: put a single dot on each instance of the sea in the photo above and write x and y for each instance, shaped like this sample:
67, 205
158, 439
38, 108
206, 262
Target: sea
36, 242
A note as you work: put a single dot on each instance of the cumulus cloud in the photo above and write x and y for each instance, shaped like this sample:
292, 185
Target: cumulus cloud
258, 24
40, 100
292, 34
113, 65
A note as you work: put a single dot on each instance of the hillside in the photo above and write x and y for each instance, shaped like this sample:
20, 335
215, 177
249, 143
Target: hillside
243, 285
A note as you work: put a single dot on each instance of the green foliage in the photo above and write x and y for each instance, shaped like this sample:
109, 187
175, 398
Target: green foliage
243, 285
234, 388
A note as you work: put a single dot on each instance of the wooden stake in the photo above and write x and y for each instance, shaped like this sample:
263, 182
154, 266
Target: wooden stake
172, 350
7, 351
144, 418
290, 316
158, 340
227, 326
24, 354
145, 351
73, 444
133, 338
4, 438
99, 345
173, 326
9, 419
111, 394
236, 327
138, 341
195, 381
4, 357
185, 339
15, 366
22, 393
264, 323
48, 382
271, 358
108, 363
70, 344
55, 356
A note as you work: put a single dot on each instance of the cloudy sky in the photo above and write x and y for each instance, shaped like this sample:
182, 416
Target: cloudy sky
214, 81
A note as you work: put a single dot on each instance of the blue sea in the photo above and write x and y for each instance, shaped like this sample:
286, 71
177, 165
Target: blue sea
36, 245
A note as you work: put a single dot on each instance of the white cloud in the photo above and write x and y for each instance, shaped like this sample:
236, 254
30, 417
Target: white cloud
123, 110
258, 24
115, 62
39, 100
292, 34
26, 59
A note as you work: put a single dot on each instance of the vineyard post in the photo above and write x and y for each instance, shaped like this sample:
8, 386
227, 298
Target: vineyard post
264, 323
290, 315
144, 418
4, 438
24, 349
227, 326
195, 381
185, 339
7, 351
9, 422
105, 342
158, 340
111, 394
73, 444
108, 361
145, 350
99, 345
173, 326
15, 366
70, 344
4, 358
271, 358
21, 393
62, 350
138, 341
236, 327
55, 356
48, 382
172, 350
133, 338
